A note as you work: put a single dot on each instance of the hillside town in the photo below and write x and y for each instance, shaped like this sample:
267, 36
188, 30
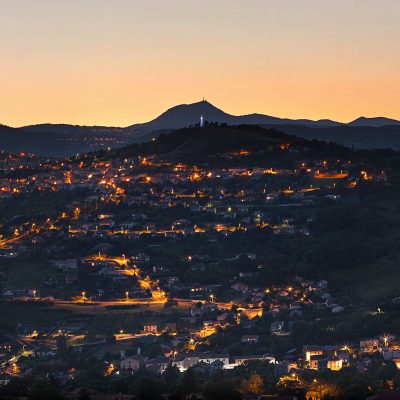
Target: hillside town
144, 264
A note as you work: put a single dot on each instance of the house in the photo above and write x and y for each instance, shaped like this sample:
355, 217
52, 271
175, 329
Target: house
253, 339
172, 280
277, 326
319, 363
130, 363
369, 345
306, 283
209, 358
344, 355
198, 267
4, 379
150, 329
322, 284
158, 365
391, 355
217, 365
284, 368
196, 312
201, 368
64, 265
337, 309
239, 360
364, 364
44, 352
126, 225
334, 363
171, 326
222, 317
240, 287
284, 230
296, 312
184, 363
312, 351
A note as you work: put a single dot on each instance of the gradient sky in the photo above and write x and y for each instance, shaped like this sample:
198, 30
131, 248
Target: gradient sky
118, 62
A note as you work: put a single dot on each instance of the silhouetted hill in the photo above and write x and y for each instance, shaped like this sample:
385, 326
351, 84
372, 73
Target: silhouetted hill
367, 133
361, 137
64, 139
374, 122
188, 114
184, 115
214, 142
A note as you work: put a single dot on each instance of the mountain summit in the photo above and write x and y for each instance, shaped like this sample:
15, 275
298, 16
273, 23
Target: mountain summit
184, 115
189, 114
375, 122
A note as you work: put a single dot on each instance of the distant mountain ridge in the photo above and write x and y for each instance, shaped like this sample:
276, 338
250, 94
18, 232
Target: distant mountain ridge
65, 139
72, 129
375, 122
62, 143
184, 115
188, 114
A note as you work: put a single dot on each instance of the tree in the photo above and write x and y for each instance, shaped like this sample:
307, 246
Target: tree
321, 390
62, 346
150, 389
171, 375
253, 385
154, 351
188, 383
355, 392
44, 390
110, 339
17, 387
84, 395
290, 384
220, 390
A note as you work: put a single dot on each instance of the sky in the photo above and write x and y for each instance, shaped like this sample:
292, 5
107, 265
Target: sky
119, 62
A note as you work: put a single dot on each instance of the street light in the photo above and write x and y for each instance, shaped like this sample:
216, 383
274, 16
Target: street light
385, 340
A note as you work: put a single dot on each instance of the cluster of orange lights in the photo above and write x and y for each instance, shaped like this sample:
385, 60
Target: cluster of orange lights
365, 175
145, 161
331, 175
195, 177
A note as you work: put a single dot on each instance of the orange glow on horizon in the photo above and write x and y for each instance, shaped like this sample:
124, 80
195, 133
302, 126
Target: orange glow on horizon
304, 59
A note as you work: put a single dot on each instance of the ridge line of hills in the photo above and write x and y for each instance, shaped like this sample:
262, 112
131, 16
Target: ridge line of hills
183, 115
58, 140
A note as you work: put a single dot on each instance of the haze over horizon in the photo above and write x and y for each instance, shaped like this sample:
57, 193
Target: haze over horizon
93, 63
